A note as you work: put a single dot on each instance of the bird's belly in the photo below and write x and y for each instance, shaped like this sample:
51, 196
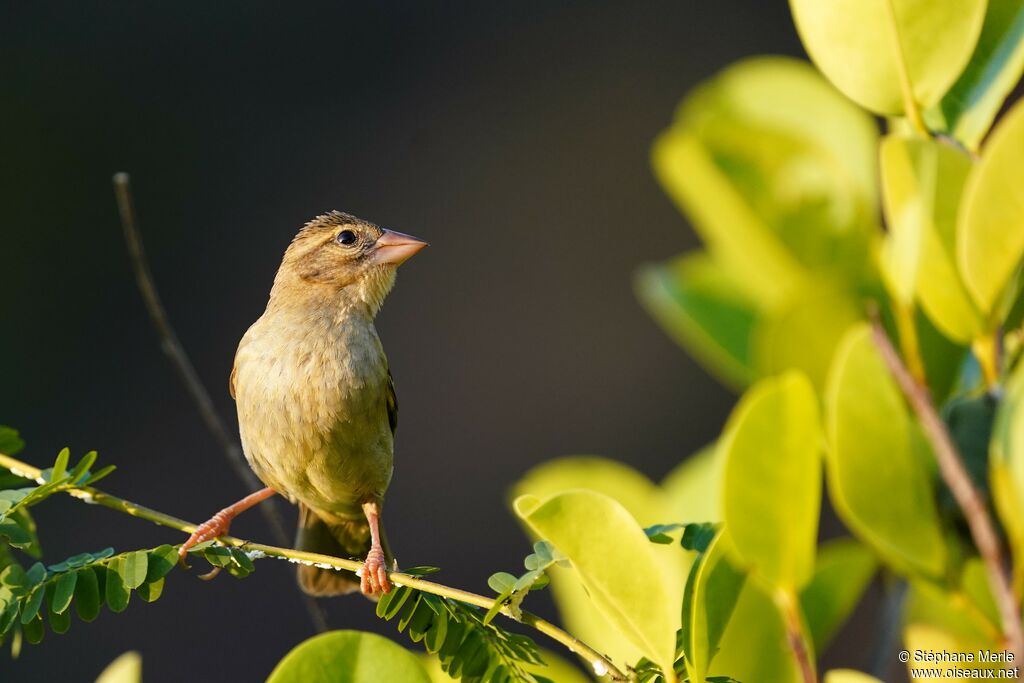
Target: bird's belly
319, 434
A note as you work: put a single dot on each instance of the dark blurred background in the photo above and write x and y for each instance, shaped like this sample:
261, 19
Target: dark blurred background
514, 137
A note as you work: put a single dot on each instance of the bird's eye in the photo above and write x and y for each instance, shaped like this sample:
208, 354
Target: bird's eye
346, 237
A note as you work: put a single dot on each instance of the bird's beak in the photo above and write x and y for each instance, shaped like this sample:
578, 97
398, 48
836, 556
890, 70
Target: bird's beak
394, 248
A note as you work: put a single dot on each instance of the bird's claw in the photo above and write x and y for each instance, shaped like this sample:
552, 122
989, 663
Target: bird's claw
218, 525
373, 579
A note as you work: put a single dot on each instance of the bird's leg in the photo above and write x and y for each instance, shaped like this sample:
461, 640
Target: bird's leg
373, 580
219, 524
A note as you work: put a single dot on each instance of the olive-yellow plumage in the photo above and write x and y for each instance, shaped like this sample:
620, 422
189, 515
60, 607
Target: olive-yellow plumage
316, 401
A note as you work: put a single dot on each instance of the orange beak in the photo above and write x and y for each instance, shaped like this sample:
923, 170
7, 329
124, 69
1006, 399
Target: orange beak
395, 248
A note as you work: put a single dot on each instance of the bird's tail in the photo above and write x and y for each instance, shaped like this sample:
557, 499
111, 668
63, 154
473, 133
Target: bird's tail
340, 538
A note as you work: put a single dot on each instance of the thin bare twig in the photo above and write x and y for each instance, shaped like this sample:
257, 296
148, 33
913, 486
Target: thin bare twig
175, 352
789, 605
966, 494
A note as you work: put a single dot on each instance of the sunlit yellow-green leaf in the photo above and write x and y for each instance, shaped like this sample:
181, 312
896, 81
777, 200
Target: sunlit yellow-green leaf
967, 110
125, 669
649, 504
990, 239
877, 463
774, 169
1006, 463
693, 489
729, 227
842, 572
922, 182
771, 489
754, 646
703, 308
955, 611
348, 657
615, 562
978, 589
708, 605
804, 333
639, 495
849, 676
864, 45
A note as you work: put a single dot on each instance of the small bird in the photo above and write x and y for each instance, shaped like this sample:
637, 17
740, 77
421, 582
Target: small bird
316, 401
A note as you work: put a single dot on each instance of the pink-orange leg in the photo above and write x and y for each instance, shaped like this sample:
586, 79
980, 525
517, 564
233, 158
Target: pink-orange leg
373, 580
220, 523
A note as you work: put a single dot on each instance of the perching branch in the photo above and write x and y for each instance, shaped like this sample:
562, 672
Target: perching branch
959, 482
175, 352
598, 663
795, 635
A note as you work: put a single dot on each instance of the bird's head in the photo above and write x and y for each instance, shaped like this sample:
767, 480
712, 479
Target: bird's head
337, 253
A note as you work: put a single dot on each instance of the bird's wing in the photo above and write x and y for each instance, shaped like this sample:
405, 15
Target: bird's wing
231, 382
392, 403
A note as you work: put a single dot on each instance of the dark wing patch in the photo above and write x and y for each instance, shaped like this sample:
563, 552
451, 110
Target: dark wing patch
392, 403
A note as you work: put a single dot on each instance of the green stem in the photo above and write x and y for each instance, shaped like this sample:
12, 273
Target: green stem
599, 663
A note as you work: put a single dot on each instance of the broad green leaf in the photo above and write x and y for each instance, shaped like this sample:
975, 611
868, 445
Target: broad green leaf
1006, 463
87, 595
877, 463
349, 657
160, 562
862, 46
711, 595
730, 228
771, 490
842, 573
34, 630
974, 583
642, 498
693, 489
615, 562
701, 306
689, 494
30, 609
10, 441
803, 334
990, 238
953, 611
133, 569
63, 591
968, 109
849, 676
754, 647
774, 170
151, 591
922, 182
116, 591
15, 535
125, 669
23, 518
59, 622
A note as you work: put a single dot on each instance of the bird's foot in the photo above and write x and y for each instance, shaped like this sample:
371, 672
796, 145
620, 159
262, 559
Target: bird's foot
218, 525
373, 578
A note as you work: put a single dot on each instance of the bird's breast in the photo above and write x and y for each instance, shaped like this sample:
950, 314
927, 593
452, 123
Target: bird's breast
312, 409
